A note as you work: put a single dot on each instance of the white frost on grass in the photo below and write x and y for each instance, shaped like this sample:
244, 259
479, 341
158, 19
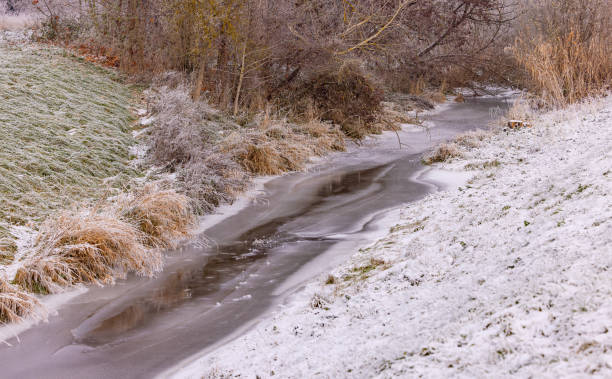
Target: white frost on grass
507, 277
146, 121
65, 132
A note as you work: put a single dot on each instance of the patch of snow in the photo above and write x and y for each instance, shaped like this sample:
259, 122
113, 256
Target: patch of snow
139, 132
243, 298
146, 121
443, 178
24, 239
507, 277
412, 128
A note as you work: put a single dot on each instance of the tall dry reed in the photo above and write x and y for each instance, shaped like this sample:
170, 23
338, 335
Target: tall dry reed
565, 48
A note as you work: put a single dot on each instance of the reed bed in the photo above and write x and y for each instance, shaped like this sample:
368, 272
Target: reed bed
565, 49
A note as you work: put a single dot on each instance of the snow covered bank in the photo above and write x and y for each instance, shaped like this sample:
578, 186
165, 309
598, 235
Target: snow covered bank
506, 276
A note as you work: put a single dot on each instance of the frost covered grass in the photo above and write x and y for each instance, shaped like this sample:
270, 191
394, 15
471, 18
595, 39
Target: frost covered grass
446, 151
65, 135
442, 153
506, 276
68, 179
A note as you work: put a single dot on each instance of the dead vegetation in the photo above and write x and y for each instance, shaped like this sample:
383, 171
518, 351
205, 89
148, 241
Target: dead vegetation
214, 156
565, 48
448, 150
442, 153
344, 96
164, 216
98, 245
15, 304
472, 138
85, 247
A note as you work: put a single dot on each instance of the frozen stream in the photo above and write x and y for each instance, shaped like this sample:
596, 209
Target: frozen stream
299, 226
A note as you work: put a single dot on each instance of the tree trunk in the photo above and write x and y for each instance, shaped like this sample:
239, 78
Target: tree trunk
197, 86
240, 79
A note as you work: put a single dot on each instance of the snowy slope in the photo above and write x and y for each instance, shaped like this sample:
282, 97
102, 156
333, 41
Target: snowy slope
509, 276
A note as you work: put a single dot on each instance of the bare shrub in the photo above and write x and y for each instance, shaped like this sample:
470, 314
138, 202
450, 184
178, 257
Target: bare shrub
566, 49
442, 153
183, 127
15, 304
344, 96
85, 247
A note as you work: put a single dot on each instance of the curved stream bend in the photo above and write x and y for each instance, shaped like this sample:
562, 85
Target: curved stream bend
141, 327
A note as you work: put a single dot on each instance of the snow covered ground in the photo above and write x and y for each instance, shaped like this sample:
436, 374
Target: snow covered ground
509, 275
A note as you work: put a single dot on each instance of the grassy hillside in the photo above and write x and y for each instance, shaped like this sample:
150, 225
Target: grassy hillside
64, 133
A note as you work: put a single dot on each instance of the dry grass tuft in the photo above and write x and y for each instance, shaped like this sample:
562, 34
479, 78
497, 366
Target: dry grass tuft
16, 304
442, 153
164, 216
86, 247
417, 86
437, 97
472, 138
278, 146
262, 160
